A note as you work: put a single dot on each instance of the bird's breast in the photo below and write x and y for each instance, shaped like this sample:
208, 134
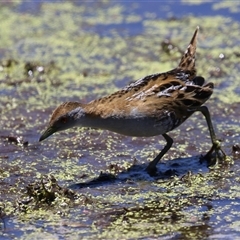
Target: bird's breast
135, 126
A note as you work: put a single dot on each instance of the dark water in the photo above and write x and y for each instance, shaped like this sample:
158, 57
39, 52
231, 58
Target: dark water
53, 52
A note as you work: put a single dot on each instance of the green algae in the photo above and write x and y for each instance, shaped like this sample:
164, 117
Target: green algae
233, 7
81, 64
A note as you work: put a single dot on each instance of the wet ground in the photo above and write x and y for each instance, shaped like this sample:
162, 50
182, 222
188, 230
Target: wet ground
87, 183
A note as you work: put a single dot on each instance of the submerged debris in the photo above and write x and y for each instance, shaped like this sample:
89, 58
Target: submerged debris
2, 216
47, 192
169, 47
37, 70
236, 151
16, 140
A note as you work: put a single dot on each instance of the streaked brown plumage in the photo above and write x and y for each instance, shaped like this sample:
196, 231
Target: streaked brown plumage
153, 105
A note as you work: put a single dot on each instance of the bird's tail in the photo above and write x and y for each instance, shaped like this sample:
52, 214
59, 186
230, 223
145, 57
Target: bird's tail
188, 59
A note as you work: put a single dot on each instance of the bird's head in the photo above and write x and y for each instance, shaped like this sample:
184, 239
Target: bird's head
63, 117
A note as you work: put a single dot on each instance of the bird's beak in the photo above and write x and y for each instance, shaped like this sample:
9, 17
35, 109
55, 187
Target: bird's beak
47, 133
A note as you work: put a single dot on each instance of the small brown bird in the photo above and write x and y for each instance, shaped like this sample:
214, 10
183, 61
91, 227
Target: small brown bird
153, 105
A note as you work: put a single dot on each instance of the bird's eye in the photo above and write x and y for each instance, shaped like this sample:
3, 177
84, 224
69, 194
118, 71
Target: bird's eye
64, 119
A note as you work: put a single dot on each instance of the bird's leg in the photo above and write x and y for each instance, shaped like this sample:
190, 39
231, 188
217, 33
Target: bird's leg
151, 168
216, 145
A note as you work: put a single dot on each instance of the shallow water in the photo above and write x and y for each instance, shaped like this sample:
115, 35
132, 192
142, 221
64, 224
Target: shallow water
56, 52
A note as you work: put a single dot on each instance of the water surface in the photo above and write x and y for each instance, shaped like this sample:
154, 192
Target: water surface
53, 52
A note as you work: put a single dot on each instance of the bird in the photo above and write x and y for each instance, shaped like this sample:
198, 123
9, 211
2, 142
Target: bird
153, 105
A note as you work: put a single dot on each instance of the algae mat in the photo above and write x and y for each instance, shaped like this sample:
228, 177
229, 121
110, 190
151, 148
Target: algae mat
87, 183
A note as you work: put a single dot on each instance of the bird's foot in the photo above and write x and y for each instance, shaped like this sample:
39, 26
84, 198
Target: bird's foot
215, 155
151, 170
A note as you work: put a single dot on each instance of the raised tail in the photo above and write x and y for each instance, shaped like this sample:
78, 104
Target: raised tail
188, 59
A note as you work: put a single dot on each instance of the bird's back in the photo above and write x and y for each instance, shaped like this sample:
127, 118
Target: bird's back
157, 94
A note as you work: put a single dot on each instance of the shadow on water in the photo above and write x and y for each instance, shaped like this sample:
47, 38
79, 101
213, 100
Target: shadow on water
166, 170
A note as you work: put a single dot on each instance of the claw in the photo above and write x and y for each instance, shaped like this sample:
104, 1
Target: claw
215, 155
